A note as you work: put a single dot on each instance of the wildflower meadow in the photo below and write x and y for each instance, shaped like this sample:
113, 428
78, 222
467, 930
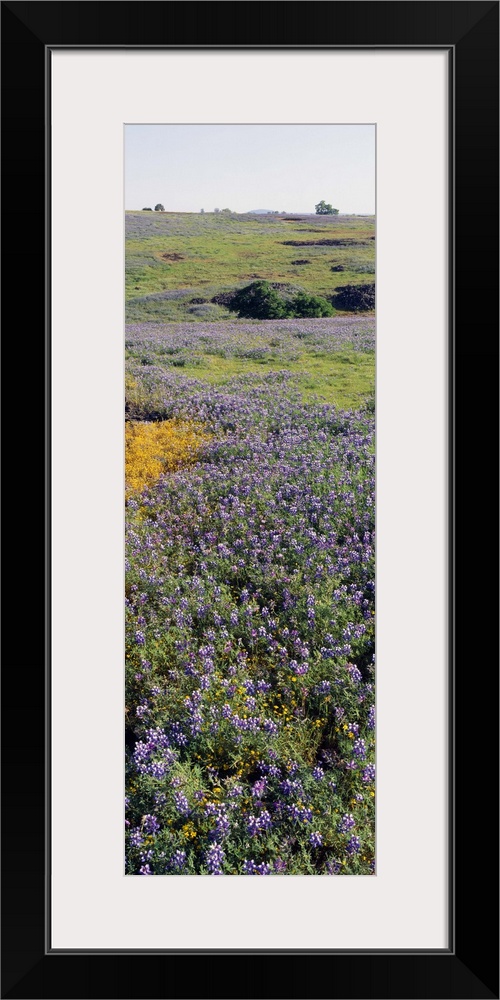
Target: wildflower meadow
250, 560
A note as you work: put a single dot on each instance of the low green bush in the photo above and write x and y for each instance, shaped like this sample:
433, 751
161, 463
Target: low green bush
310, 305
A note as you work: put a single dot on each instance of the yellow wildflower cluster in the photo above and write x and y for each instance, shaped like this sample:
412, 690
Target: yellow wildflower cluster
153, 448
246, 762
131, 388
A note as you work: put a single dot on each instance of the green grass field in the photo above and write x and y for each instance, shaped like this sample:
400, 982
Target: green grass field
173, 258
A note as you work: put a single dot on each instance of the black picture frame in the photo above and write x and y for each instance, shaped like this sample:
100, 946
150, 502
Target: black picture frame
469, 968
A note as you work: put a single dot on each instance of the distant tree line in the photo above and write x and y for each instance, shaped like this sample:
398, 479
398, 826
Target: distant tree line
322, 208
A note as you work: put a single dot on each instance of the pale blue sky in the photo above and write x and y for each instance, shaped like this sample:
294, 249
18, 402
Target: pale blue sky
243, 167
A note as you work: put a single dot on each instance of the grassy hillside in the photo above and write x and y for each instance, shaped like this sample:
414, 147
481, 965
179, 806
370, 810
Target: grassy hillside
174, 259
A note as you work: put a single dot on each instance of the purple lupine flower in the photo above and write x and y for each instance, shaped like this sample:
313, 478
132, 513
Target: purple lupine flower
300, 812
259, 787
178, 860
263, 869
136, 837
353, 845
346, 823
279, 865
256, 824
323, 687
359, 749
316, 839
270, 727
214, 859
222, 825
151, 824
181, 803
355, 674
333, 867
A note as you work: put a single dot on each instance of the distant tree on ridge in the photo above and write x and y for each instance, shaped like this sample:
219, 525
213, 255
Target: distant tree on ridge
323, 209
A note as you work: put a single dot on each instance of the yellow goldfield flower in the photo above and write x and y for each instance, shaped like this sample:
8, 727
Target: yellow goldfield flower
154, 448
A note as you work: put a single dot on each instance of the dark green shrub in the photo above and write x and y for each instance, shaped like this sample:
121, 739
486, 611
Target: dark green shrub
310, 305
258, 301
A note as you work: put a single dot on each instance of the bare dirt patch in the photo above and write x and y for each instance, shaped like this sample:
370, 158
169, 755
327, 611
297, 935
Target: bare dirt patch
325, 243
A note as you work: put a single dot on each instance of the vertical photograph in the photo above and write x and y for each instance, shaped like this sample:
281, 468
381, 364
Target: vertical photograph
249, 492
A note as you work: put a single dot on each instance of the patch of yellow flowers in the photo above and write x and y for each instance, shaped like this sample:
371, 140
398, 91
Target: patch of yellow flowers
154, 448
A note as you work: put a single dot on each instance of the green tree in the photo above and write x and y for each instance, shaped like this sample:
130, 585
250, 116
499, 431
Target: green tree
159, 207
323, 209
